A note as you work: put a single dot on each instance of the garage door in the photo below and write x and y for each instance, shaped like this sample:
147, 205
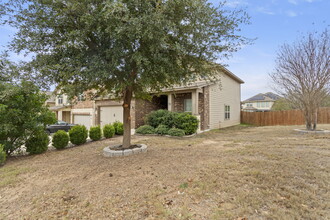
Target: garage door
82, 120
110, 114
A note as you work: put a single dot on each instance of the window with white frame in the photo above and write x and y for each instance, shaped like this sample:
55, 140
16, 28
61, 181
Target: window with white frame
227, 112
60, 99
187, 105
81, 97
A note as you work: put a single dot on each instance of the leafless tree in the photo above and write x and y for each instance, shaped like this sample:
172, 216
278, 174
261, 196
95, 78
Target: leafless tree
302, 74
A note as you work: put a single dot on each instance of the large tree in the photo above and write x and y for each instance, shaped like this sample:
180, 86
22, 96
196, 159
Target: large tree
125, 47
22, 113
302, 74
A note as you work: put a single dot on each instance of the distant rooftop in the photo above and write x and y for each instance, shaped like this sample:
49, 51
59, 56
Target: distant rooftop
51, 96
269, 96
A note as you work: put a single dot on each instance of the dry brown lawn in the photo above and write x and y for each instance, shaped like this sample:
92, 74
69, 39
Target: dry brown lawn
234, 173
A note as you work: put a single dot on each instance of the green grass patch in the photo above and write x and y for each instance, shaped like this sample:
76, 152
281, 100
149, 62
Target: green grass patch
10, 175
184, 185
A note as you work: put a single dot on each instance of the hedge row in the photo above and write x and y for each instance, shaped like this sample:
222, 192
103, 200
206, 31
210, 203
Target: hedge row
39, 141
78, 134
2, 155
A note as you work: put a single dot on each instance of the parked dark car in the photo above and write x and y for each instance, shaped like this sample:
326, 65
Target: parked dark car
59, 125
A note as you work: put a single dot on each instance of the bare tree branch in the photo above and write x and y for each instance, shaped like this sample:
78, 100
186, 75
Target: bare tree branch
302, 74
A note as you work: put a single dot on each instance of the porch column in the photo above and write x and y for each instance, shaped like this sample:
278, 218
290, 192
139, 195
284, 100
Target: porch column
60, 115
170, 102
194, 102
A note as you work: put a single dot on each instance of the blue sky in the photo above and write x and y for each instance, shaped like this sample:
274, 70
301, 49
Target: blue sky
274, 22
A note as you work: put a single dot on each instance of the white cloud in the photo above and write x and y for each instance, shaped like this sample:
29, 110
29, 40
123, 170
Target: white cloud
291, 13
265, 11
295, 2
236, 3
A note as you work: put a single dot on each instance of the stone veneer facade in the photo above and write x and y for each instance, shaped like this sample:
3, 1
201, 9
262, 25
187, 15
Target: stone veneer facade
179, 101
204, 108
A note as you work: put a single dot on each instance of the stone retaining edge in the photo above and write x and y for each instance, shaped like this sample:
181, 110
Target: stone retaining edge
107, 152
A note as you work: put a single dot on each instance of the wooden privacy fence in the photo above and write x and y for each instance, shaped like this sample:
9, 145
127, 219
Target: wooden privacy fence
289, 117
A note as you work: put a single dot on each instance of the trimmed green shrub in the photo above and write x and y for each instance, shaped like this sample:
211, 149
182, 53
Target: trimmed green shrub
108, 131
2, 155
162, 116
176, 132
162, 130
186, 122
37, 143
60, 139
95, 133
145, 129
78, 134
119, 128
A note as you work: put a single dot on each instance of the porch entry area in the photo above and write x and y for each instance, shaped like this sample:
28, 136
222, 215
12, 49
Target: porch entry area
192, 101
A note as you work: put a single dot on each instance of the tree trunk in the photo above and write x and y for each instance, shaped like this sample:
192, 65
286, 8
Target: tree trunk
308, 120
315, 121
127, 117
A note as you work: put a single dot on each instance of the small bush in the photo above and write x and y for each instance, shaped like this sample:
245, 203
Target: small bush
108, 131
119, 128
176, 132
95, 133
38, 143
2, 155
162, 116
145, 129
162, 130
78, 134
186, 122
60, 139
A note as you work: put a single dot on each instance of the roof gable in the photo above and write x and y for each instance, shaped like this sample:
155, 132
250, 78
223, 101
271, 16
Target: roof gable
269, 96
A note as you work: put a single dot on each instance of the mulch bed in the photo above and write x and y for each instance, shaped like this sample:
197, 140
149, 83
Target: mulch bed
120, 147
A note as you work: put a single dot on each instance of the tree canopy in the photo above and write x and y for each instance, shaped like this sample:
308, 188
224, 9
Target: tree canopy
22, 113
281, 105
125, 47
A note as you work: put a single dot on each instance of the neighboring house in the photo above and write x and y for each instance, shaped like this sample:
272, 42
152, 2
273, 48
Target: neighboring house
62, 108
50, 102
261, 102
83, 112
215, 104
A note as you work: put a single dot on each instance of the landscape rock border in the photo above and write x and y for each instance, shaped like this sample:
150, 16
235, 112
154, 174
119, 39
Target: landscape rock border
107, 152
304, 131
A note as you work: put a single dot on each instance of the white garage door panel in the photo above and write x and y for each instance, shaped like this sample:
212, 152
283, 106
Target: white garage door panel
110, 114
82, 120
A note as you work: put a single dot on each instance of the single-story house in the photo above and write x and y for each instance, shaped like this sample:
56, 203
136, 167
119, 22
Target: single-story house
216, 104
